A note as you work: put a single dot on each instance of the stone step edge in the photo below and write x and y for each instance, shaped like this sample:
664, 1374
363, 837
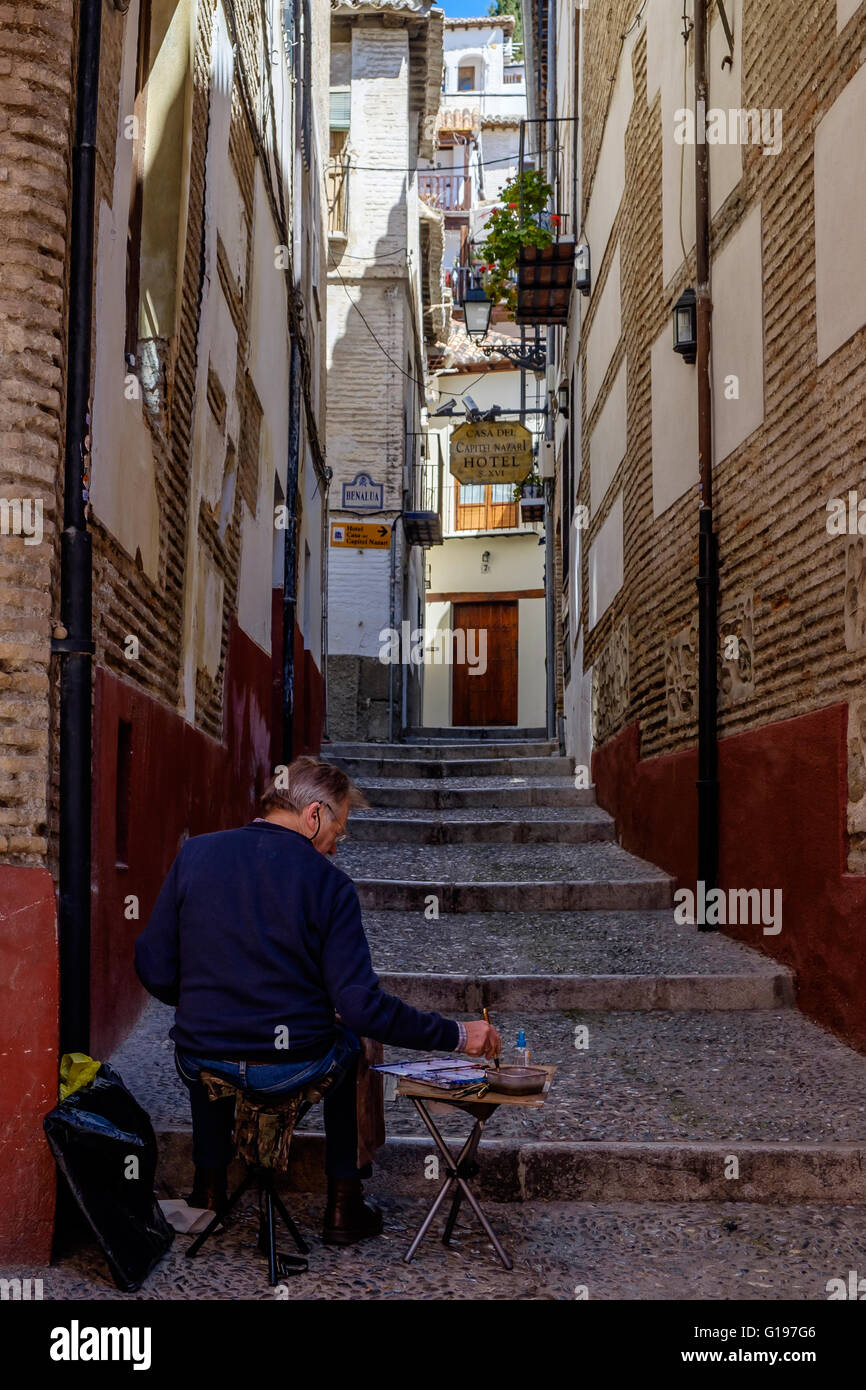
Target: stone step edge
482, 733
600, 817
440, 796
396, 831
559, 895
579, 1170
539, 748
445, 769
725, 991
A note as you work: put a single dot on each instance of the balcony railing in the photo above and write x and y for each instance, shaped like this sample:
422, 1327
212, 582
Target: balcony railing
449, 191
338, 197
461, 508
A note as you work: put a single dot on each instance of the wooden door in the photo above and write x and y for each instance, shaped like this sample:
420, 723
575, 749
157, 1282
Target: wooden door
490, 696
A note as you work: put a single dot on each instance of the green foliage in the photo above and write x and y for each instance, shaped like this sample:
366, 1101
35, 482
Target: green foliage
506, 234
533, 477
512, 7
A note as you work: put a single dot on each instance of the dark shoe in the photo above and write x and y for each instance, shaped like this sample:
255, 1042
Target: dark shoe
209, 1189
348, 1218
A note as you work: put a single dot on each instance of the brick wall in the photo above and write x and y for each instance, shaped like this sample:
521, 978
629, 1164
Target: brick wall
36, 73
770, 493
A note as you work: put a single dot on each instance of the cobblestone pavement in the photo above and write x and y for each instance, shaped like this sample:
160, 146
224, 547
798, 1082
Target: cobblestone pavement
489, 863
556, 943
760, 1075
651, 1077
689, 1251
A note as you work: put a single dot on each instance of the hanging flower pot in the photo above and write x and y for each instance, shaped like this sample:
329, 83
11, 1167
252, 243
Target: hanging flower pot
544, 276
507, 233
532, 499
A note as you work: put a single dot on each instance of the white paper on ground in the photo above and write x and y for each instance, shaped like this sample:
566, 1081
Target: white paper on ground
188, 1220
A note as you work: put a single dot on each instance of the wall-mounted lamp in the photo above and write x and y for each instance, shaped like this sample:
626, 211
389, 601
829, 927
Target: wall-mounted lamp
485, 562
582, 268
477, 309
562, 399
686, 325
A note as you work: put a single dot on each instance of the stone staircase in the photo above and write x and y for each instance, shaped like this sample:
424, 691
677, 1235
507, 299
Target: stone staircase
705, 1139
487, 879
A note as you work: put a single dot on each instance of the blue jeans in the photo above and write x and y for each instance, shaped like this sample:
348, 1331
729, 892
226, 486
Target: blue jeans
213, 1120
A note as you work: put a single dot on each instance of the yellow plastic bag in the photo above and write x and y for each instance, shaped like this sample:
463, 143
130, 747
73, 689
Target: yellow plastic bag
76, 1069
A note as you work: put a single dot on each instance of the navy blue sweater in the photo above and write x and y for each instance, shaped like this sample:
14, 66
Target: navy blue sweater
254, 932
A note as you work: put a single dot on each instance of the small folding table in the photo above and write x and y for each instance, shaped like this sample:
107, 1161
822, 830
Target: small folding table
464, 1166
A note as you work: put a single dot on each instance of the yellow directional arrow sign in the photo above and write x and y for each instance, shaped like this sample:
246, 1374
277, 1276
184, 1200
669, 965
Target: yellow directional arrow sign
360, 535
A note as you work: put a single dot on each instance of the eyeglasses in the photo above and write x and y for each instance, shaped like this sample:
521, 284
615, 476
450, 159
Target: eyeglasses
344, 835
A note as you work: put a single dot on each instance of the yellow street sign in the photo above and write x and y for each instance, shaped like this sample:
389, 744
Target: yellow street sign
361, 535
495, 451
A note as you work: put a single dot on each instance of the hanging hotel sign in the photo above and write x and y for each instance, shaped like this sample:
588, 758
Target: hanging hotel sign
495, 451
362, 494
360, 535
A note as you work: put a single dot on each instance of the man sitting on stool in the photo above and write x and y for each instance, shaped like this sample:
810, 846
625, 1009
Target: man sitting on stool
256, 938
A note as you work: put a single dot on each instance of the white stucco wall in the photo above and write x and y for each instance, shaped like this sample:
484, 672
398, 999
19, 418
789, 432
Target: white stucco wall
604, 333
665, 51
845, 10
609, 438
674, 424
484, 46
606, 563
609, 182
123, 480
500, 147
269, 369
840, 216
738, 337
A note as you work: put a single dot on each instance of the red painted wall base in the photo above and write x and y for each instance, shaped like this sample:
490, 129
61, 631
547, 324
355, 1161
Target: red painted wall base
28, 1048
783, 811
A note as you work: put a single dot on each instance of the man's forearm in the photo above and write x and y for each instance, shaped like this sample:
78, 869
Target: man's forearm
461, 1039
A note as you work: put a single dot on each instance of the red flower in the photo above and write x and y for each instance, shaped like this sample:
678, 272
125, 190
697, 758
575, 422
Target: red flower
513, 206
555, 219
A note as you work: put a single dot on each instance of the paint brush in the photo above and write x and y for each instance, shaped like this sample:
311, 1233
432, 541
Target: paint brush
486, 1017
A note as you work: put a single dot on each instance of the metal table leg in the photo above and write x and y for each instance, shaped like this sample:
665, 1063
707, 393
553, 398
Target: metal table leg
467, 1157
464, 1164
428, 1219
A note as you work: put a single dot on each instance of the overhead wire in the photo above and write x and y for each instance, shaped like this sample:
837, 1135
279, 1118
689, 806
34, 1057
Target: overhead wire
381, 346
437, 168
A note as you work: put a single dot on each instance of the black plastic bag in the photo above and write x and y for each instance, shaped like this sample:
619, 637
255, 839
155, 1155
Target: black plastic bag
105, 1147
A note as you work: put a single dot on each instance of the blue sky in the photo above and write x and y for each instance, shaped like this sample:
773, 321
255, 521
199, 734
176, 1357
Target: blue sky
460, 8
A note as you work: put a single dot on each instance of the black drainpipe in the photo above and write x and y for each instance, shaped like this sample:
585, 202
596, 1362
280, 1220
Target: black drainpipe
76, 647
290, 553
708, 558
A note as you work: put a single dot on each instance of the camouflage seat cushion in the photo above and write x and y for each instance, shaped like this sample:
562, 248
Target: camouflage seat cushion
264, 1125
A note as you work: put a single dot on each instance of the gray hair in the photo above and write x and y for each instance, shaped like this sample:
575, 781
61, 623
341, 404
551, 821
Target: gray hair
306, 780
